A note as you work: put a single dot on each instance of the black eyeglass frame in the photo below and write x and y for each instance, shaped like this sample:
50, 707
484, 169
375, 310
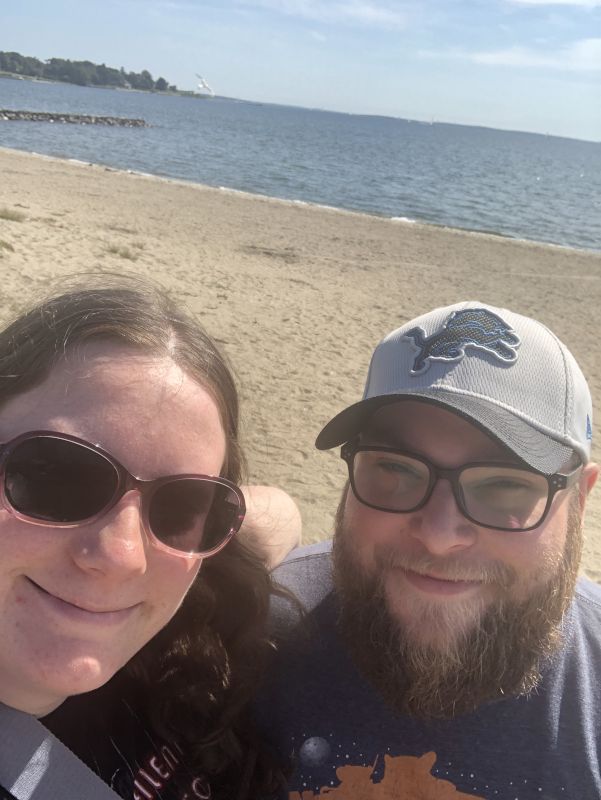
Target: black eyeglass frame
125, 483
556, 482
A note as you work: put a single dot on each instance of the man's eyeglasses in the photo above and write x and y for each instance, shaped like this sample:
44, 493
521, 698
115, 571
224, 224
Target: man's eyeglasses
493, 495
57, 480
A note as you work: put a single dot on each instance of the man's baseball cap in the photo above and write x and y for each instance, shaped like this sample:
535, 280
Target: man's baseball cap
507, 373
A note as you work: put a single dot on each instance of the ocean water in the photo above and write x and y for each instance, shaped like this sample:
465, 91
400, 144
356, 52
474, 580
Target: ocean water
522, 185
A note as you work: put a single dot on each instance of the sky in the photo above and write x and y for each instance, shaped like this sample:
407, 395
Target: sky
531, 65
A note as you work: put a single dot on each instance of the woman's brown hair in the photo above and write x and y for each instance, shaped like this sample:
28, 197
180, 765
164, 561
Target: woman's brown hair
196, 676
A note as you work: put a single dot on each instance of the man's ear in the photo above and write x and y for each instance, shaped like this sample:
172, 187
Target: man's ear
588, 478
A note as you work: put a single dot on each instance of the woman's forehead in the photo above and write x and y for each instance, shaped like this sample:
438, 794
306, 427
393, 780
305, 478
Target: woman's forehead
102, 374
125, 401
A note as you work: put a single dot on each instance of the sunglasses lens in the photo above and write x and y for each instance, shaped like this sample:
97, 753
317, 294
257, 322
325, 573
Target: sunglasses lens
193, 515
56, 480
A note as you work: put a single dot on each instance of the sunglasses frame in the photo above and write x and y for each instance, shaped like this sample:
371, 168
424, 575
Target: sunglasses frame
556, 482
126, 482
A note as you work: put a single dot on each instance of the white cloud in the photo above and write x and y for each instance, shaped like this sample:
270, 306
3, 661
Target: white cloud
362, 12
581, 3
580, 56
319, 37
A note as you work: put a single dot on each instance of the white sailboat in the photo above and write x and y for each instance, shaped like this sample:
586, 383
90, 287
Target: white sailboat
203, 87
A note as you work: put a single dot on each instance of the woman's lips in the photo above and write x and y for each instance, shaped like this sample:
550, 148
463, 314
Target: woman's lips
80, 613
442, 586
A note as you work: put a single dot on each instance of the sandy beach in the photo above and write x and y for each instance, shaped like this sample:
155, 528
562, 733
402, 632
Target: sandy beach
297, 295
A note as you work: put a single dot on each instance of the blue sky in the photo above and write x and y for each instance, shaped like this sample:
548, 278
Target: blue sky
530, 65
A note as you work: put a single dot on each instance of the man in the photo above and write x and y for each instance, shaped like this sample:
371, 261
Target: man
452, 653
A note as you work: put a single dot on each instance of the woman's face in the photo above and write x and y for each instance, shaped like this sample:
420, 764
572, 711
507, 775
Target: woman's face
76, 604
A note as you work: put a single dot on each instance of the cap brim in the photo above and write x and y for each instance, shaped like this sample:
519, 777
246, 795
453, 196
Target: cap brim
533, 447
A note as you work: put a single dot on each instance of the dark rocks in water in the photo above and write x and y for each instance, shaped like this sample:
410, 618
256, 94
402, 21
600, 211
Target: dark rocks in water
76, 119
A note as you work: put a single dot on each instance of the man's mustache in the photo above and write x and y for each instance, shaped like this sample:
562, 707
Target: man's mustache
452, 568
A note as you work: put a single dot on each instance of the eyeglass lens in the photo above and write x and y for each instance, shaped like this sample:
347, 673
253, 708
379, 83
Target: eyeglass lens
496, 496
59, 481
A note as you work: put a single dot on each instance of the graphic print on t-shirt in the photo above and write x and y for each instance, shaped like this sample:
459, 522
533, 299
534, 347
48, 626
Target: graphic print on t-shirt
402, 778
152, 778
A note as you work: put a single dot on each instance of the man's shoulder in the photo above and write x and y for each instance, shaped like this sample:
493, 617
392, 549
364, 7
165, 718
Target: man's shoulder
307, 573
587, 599
584, 623
318, 551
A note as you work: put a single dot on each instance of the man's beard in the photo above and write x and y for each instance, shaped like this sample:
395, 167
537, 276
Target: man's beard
498, 651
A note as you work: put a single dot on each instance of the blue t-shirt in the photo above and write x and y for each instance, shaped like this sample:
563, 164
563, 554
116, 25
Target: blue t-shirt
346, 744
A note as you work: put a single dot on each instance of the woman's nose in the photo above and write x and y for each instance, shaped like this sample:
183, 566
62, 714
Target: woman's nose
115, 545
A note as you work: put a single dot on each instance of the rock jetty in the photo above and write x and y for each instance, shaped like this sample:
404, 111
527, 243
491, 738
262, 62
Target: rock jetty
76, 119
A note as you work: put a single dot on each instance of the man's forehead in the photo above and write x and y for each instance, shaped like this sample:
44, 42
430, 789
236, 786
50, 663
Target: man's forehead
402, 415
427, 428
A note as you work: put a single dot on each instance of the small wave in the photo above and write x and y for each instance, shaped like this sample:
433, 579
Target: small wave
407, 220
326, 207
230, 190
146, 174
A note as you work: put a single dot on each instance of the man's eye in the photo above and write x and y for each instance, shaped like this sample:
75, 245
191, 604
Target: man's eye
503, 485
398, 468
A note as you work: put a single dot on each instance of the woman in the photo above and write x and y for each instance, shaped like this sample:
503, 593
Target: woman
131, 621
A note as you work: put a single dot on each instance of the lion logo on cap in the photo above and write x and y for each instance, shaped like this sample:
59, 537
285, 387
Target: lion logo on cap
470, 327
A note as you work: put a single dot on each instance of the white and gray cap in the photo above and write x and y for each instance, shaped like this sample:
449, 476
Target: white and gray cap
508, 373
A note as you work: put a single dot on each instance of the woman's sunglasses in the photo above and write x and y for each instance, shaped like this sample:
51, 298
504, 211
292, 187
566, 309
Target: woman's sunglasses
57, 480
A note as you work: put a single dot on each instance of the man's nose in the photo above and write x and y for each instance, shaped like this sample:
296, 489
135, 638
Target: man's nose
116, 545
440, 525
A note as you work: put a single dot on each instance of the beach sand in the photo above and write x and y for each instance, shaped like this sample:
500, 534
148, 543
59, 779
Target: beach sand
297, 295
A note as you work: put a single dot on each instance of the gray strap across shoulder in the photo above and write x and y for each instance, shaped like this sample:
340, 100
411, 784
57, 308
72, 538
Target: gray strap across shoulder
35, 765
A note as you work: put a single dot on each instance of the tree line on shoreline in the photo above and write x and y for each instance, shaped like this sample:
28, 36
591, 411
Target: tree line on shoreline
82, 73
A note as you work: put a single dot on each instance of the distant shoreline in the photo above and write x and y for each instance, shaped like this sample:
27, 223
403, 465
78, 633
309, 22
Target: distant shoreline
35, 79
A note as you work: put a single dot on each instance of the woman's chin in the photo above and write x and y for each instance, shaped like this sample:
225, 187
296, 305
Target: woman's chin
79, 675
